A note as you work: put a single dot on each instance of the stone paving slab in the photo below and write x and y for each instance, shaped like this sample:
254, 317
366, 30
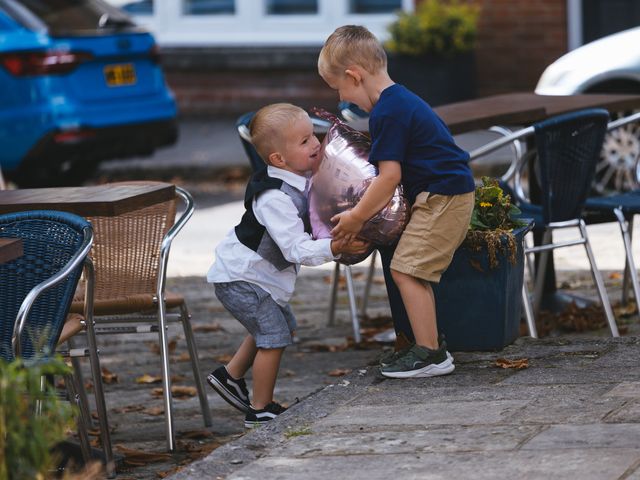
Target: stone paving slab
586, 464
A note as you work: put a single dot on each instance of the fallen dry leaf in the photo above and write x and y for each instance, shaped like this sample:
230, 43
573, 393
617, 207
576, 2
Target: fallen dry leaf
109, 377
215, 327
129, 408
181, 391
139, 458
146, 378
183, 357
171, 345
177, 391
339, 372
518, 363
625, 310
166, 473
155, 411
195, 434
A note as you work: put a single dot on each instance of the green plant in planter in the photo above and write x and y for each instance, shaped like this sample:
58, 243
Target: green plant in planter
27, 438
492, 222
437, 27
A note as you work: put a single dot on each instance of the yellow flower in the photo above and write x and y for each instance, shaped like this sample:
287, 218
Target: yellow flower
485, 204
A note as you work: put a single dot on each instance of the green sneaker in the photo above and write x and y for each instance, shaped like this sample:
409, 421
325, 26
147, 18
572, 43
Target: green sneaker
420, 362
388, 358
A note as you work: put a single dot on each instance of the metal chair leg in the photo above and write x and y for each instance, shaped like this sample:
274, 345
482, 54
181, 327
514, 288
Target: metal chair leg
352, 304
630, 272
195, 365
82, 393
83, 422
540, 273
367, 285
166, 376
528, 311
334, 294
96, 372
597, 278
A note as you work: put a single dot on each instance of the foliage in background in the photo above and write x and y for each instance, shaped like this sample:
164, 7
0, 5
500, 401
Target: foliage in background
26, 439
492, 222
436, 27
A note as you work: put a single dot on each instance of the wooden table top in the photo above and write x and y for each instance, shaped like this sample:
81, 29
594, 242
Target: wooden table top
10, 249
106, 200
524, 108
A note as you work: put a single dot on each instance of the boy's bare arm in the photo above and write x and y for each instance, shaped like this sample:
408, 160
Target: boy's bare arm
378, 194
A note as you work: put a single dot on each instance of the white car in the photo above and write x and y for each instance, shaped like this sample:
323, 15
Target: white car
608, 65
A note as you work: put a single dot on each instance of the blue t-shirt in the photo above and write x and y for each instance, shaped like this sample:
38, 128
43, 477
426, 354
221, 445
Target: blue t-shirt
404, 128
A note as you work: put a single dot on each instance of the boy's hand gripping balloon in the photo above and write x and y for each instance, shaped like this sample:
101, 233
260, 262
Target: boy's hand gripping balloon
339, 180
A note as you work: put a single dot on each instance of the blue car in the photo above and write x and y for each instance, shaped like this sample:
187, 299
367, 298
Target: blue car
79, 83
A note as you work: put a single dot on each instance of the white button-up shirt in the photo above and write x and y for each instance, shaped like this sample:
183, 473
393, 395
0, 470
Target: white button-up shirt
274, 210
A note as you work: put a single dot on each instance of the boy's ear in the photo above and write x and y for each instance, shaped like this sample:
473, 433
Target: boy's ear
276, 159
354, 73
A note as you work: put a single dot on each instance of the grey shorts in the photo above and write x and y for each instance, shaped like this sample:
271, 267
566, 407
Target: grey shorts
269, 324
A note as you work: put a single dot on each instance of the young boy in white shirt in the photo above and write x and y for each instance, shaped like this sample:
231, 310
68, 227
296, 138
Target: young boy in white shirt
258, 261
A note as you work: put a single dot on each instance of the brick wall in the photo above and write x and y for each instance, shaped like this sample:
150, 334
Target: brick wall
516, 40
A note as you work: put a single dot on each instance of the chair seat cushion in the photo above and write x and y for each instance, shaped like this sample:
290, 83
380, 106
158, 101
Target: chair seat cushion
629, 202
129, 304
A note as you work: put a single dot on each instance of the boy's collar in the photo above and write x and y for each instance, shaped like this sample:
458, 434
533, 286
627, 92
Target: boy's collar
297, 181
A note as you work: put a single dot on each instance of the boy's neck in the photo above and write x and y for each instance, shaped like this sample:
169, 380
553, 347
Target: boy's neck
375, 84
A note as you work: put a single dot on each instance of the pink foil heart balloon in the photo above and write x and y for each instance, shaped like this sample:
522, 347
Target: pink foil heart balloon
340, 179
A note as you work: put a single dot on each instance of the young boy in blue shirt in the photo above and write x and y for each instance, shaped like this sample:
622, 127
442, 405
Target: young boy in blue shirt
258, 261
410, 145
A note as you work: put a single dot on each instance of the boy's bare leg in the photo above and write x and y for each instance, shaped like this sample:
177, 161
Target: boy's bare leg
420, 304
265, 372
243, 358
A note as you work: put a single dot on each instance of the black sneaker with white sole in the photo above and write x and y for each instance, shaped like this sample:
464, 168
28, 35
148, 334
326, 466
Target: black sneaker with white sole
233, 391
256, 418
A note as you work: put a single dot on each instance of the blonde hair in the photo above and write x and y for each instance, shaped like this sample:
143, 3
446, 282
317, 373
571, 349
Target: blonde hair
269, 126
351, 45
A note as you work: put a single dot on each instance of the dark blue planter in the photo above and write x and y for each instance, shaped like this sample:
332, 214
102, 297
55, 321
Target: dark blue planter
479, 308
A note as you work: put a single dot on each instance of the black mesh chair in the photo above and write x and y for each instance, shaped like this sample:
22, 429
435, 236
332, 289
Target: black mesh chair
37, 291
568, 148
621, 207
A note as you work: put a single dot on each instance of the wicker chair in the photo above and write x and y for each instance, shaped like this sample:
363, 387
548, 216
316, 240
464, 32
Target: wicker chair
37, 291
130, 254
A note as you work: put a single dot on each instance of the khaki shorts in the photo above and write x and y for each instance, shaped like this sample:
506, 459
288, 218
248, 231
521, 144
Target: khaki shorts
438, 226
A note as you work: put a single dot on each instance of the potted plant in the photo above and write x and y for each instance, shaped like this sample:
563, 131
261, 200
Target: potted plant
431, 50
478, 299
29, 440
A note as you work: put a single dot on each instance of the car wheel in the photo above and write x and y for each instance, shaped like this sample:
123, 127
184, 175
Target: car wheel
616, 170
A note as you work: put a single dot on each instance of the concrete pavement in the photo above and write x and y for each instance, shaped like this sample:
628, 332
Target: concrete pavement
573, 413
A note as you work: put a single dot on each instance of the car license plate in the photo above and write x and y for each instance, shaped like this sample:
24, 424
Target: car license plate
119, 75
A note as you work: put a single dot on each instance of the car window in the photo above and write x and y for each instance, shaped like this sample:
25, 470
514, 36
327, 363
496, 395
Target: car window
67, 16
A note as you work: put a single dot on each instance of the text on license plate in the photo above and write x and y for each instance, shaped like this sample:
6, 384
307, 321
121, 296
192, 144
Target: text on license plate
121, 74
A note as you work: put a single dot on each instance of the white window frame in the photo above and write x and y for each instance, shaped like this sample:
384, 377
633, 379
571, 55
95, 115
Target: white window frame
251, 26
